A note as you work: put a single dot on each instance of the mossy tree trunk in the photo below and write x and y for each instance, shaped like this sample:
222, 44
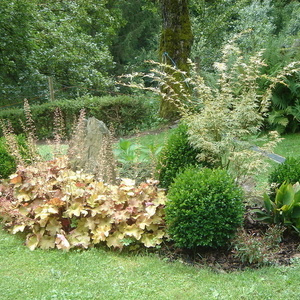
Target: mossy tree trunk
175, 44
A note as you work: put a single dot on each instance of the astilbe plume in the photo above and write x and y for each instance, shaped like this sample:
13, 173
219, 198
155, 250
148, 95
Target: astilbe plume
11, 141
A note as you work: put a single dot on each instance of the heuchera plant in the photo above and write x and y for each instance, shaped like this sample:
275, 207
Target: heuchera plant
59, 208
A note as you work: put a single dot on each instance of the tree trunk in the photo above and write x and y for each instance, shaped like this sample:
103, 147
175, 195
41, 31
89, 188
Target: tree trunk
175, 43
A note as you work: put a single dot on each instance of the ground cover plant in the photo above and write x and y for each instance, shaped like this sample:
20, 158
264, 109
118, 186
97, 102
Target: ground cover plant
57, 207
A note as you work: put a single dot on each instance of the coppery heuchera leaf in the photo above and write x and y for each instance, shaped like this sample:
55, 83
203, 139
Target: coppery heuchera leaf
65, 209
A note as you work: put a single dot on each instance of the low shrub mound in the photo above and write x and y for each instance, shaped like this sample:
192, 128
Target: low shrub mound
59, 208
175, 156
288, 171
7, 161
204, 208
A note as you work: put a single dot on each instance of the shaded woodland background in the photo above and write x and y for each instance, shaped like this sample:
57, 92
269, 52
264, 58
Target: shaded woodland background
82, 46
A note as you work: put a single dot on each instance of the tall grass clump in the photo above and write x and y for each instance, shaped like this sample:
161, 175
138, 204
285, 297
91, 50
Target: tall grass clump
221, 118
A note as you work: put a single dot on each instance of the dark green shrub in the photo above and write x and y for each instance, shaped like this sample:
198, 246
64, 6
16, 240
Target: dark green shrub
204, 208
288, 171
7, 162
125, 114
175, 156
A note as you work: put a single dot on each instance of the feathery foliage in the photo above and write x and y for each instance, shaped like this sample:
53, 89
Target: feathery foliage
221, 118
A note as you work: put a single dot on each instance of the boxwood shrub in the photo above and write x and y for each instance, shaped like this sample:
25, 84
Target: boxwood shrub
204, 208
176, 155
288, 171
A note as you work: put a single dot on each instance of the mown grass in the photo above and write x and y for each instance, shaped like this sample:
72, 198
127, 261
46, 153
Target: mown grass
290, 146
101, 274
104, 274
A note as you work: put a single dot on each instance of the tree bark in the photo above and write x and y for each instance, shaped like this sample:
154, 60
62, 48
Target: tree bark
175, 43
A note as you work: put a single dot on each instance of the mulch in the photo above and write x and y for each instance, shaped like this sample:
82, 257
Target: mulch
225, 260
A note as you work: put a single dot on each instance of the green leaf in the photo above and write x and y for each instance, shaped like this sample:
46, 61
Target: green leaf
297, 197
75, 209
152, 239
131, 230
269, 205
115, 240
284, 208
78, 238
53, 226
284, 195
296, 212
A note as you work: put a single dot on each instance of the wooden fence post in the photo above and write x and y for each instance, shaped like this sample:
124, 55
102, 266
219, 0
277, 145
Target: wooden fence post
51, 89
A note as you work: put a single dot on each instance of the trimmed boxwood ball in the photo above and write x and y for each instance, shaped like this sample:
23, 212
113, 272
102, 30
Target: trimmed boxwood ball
204, 208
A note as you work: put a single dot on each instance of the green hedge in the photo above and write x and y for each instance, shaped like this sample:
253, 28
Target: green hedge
124, 113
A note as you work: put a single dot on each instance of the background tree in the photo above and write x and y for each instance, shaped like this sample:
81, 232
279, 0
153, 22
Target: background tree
67, 40
175, 43
73, 39
16, 47
137, 37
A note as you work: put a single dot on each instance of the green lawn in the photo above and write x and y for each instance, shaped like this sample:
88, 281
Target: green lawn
290, 146
100, 274
103, 274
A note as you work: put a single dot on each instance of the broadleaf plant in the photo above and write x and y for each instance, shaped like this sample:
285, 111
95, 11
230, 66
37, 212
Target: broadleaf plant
60, 208
285, 209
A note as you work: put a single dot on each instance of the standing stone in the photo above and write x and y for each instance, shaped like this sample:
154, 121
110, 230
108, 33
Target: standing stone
91, 151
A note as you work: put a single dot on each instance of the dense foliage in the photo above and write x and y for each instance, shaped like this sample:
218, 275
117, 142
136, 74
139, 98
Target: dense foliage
288, 171
122, 113
204, 208
59, 208
7, 161
176, 155
68, 41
